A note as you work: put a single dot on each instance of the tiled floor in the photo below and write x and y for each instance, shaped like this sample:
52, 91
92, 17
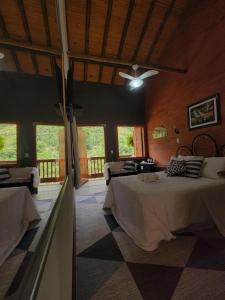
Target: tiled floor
12, 271
111, 266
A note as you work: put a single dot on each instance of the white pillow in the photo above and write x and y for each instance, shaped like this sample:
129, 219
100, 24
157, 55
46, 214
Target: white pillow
173, 157
116, 165
212, 165
20, 172
190, 157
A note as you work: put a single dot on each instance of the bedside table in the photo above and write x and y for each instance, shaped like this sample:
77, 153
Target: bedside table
147, 167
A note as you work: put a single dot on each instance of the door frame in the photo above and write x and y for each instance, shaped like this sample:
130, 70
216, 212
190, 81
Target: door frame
105, 138
34, 142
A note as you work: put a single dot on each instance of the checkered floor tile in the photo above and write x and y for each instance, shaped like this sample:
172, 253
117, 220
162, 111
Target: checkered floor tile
111, 266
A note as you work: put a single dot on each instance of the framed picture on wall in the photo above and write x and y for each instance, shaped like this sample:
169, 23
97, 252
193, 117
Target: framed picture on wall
204, 113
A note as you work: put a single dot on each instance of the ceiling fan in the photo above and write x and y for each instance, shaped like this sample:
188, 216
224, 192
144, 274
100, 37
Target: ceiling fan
137, 81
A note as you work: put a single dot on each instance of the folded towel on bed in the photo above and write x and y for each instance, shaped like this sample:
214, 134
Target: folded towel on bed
148, 177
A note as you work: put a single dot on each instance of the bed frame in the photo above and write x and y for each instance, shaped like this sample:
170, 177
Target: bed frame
202, 145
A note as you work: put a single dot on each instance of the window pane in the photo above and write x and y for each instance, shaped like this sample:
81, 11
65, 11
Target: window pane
8, 143
126, 142
48, 141
50, 152
131, 141
95, 140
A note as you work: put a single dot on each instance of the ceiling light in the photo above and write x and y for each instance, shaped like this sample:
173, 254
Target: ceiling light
2, 55
135, 83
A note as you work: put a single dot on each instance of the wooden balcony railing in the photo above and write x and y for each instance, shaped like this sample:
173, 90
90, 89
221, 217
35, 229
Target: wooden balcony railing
51, 170
92, 166
6, 163
96, 166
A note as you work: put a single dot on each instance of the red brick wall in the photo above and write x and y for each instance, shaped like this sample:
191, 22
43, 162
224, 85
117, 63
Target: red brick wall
199, 45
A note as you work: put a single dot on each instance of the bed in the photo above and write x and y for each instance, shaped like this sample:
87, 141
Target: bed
17, 211
152, 212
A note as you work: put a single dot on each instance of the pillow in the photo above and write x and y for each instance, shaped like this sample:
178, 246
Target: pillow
4, 174
212, 166
115, 165
193, 168
173, 157
24, 172
190, 157
130, 165
176, 167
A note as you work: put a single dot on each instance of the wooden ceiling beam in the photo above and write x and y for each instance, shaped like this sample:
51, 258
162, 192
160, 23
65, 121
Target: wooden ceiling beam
105, 36
160, 30
87, 26
5, 43
28, 34
144, 28
124, 34
6, 35
125, 27
10, 44
47, 32
87, 34
24, 20
46, 23
121, 64
16, 61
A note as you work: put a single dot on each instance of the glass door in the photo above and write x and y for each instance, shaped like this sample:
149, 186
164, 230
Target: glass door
91, 142
50, 152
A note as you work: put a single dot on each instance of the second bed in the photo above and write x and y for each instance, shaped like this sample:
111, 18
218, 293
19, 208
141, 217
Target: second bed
151, 212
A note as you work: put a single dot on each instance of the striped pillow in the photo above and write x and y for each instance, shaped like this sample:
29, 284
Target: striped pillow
193, 168
4, 174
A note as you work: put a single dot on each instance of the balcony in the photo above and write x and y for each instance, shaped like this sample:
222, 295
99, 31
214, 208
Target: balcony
52, 170
92, 167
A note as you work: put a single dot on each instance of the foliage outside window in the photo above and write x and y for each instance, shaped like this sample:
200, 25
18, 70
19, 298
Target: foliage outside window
50, 151
95, 140
131, 141
8, 143
48, 141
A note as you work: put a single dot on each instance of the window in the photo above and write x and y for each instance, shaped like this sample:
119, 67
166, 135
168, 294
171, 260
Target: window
131, 141
8, 143
91, 142
50, 152
49, 142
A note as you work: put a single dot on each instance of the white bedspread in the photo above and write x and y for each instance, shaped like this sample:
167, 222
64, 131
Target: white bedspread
17, 210
150, 212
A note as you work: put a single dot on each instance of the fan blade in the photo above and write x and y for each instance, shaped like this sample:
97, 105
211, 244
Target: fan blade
148, 74
124, 75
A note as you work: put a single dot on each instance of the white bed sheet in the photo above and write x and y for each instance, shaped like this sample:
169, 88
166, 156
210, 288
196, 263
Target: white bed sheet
150, 212
17, 210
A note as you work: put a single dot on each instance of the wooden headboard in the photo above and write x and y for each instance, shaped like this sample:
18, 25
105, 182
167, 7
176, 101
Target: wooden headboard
184, 150
202, 145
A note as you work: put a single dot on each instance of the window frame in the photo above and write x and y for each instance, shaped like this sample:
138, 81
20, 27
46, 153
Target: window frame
34, 142
13, 163
145, 141
97, 125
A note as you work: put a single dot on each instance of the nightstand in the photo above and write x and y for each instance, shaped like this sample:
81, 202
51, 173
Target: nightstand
147, 167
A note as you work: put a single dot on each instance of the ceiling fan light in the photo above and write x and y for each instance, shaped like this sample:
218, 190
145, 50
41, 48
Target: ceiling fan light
2, 55
135, 83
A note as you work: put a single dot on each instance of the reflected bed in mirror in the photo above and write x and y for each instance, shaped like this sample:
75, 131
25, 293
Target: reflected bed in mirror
31, 135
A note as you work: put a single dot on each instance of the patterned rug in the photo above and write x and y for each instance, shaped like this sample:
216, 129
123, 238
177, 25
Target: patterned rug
111, 266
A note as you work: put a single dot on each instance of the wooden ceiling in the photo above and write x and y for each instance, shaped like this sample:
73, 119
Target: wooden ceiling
105, 36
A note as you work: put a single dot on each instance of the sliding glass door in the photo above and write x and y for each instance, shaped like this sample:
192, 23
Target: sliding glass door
50, 152
91, 141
